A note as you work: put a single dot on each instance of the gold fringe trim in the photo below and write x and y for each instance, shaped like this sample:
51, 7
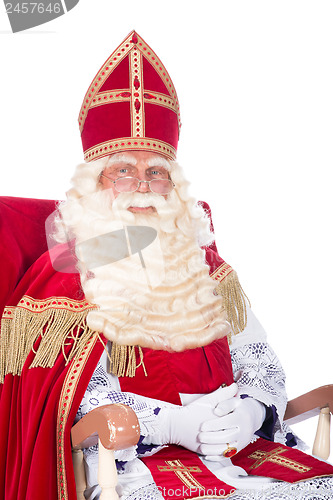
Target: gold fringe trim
122, 360
233, 297
4, 343
59, 323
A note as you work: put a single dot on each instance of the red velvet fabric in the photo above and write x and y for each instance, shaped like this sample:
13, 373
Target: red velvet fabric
195, 371
99, 127
161, 123
22, 229
268, 459
153, 81
119, 78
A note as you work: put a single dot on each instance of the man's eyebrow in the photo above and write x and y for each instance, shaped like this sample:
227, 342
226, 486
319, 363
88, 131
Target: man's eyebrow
122, 158
158, 161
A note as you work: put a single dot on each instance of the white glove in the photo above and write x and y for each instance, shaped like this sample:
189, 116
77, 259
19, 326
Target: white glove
235, 423
181, 424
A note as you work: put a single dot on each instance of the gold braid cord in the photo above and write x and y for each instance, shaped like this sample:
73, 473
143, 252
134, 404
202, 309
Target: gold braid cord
233, 297
59, 322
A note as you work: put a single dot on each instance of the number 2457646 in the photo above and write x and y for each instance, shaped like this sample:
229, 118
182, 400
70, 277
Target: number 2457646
32, 8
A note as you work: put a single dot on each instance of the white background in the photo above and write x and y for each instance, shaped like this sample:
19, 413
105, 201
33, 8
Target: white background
254, 80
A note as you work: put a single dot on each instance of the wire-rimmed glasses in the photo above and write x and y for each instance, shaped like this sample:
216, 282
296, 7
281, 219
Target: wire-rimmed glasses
132, 184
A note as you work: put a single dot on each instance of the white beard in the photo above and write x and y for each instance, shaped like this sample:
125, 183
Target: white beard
160, 297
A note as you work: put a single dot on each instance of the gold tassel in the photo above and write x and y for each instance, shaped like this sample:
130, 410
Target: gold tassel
57, 326
63, 328
123, 360
4, 343
233, 296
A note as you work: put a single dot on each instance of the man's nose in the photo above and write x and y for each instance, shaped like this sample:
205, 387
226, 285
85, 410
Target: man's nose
144, 186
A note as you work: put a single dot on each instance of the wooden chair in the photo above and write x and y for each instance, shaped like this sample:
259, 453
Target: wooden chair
319, 401
113, 427
116, 427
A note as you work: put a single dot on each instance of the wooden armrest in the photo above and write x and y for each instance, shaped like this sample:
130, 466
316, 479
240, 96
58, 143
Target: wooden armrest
309, 404
116, 426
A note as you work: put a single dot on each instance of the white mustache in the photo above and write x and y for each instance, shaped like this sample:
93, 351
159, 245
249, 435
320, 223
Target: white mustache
142, 200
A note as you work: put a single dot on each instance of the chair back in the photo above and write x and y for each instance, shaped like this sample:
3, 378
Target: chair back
23, 239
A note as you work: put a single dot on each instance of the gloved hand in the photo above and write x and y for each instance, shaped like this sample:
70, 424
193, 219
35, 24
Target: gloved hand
181, 424
235, 422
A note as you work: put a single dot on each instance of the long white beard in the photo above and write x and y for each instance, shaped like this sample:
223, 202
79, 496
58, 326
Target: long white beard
160, 296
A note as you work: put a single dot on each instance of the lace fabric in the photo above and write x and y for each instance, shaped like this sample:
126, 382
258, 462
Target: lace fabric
148, 492
314, 489
320, 488
259, 374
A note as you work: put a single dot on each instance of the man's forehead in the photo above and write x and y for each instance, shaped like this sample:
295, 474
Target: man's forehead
152, 160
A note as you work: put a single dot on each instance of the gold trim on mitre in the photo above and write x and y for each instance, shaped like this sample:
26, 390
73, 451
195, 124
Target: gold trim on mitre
58, 321
233, 296
129, 143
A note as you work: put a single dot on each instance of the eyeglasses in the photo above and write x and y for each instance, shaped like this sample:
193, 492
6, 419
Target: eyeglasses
132, 184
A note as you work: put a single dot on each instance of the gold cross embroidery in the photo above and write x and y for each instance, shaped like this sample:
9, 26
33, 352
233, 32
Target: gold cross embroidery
276, 458
182, 472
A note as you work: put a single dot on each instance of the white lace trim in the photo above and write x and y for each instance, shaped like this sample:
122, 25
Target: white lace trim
99, 393
259, 374
148, 492
314, 489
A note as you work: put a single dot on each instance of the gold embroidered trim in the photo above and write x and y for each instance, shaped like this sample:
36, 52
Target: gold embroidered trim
123, 360
276, 458
36, 305
110, 96
233, 296
161, 99
129, 143
119, 95
159, 67
221, 272
65, 403
137, 106
58, 321
183, 473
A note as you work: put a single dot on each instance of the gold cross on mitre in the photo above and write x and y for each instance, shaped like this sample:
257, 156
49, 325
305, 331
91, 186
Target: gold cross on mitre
182, 472
276, 458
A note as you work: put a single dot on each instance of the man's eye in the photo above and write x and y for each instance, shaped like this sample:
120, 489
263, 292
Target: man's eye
156, 172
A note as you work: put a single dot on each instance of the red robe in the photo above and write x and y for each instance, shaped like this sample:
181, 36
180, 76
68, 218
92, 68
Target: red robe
39, 404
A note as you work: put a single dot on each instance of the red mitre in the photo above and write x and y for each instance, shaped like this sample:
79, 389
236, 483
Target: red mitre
130, 104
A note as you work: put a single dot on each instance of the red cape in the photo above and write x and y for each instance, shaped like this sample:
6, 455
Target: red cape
38, 405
